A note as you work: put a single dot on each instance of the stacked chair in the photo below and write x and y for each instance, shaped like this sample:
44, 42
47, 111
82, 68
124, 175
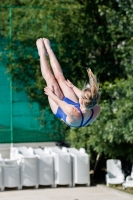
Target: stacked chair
45, 168
80, 166
62, 166
114, 172
129, 180
50, 166
9, 174
28, 165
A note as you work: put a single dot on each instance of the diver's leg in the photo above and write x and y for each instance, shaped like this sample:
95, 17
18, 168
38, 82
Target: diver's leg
58, 73
47, 74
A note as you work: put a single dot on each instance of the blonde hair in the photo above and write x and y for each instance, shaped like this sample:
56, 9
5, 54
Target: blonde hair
91, 94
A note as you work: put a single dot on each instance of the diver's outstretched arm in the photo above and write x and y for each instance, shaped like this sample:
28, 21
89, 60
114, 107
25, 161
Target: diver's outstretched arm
76, 90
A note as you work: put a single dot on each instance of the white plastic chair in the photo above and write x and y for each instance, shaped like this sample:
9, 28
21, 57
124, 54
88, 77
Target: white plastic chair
62, 166
19, 152
45, 168
11, 174
82, 150
29, 171
129, 180
114, 172
80, 166
28, 165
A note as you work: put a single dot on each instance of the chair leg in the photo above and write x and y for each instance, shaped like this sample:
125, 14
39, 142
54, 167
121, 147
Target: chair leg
73, 185
107, 184
70, 185
53, 186
36, 186
20, 187
88, 184
2, 188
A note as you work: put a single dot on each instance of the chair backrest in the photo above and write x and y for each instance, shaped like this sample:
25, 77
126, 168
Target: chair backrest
41, 153
25, 151
73, 150
56, 150
22, 148
31, 151
38, 151
9, 162
47, 150
114, 168
59, 151
29, 161
82, 150
64, 149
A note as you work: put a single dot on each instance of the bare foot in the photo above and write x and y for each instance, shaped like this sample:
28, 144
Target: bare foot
41, 47
47, 44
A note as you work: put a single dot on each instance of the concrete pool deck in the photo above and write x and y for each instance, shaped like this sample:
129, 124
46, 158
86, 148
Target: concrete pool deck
99, 192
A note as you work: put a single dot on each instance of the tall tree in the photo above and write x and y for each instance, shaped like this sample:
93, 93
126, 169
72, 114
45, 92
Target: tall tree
83, 33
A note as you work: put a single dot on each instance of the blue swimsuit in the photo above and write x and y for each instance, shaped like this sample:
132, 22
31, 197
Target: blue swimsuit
61, 115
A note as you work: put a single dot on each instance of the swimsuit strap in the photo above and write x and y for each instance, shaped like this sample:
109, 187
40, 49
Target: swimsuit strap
77, 105
81, 116
81, 124
89, 118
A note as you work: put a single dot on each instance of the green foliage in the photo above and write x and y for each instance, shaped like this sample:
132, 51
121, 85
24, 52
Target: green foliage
52, 127
83, 33
112, 133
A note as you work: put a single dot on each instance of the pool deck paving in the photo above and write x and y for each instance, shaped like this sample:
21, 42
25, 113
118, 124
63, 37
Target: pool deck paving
98, 192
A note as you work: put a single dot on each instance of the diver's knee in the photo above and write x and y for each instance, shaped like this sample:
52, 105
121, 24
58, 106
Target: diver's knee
60, 78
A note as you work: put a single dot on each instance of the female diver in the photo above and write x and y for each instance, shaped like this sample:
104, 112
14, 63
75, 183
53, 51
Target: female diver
77, 108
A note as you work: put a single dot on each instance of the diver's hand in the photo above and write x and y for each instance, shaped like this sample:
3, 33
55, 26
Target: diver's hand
69, 84
48, 91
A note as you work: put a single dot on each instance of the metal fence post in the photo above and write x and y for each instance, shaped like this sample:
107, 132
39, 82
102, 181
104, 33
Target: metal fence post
11, 100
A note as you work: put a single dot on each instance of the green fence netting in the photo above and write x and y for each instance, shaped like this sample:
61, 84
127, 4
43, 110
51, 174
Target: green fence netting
19, 116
